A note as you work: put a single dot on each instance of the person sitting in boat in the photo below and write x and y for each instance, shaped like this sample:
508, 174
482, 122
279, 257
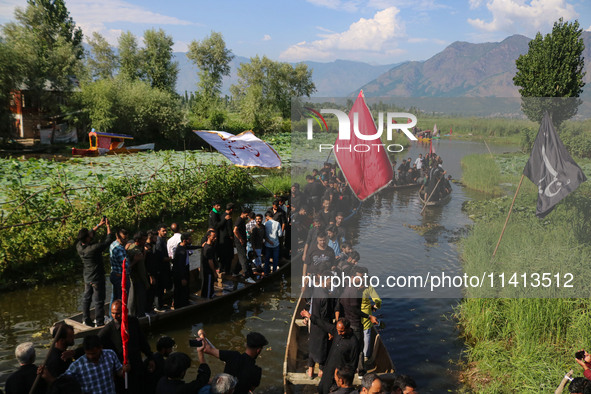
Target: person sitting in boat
401, 177
164, 348
242, 366
343, 377
222, 383
447, 185
22, 379
175, 368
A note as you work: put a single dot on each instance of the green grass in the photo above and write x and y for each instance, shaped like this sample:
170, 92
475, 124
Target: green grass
482, 173
519, 339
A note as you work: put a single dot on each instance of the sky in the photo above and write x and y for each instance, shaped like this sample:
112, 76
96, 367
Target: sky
372, 31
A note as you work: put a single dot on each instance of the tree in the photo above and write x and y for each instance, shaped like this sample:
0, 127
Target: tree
552, 67
129, 57
101, 60
157, 65
265, 89
213, 59
8, 78
48, 47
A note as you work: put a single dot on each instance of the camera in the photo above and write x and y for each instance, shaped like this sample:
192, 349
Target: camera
104, 217
195, 342
580, 355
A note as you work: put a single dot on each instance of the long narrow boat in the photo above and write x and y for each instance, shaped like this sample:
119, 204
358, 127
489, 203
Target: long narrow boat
295, 379
436, 203
229, 290
407, 186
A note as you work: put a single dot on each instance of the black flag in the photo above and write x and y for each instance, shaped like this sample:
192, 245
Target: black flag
551, 168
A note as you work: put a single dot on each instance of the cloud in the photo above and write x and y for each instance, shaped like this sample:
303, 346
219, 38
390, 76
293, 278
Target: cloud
94, 15
588, 29
528, 16
341, 5
267, 37
415, 5
475, 4
375, 36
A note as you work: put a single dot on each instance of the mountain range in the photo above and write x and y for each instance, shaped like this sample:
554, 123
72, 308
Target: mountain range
462, 69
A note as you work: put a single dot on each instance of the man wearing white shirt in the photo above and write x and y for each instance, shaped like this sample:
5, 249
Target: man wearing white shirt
272, 234
419, 161
174, 241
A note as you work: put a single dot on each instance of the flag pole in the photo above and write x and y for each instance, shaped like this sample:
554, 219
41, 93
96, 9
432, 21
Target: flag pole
254, 179
507, 220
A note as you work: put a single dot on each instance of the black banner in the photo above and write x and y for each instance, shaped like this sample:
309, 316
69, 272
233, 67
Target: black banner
551, 168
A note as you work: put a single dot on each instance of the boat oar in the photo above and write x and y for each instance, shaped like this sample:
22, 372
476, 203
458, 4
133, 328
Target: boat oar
427, 202
55, 339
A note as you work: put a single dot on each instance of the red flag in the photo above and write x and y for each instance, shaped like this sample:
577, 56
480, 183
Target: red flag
365, 163
124, 316
450, 130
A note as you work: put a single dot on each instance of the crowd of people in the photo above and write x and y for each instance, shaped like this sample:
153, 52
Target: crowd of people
157, 267
426, 172
340, 319
98, 365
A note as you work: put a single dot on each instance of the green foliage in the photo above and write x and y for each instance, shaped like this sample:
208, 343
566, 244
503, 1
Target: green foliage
213, 60
132, 107
8, 78
265, 89
527, 342
101, 60
553, 67
481, 172
169, 189
157, 65
129, 57
48, 49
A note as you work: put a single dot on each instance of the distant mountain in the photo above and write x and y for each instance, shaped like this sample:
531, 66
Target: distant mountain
334, 79
461, 69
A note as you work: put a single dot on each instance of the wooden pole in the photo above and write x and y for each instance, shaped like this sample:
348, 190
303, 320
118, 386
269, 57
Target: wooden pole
507, 220
257, 181
435, 188
491, 155
55, 339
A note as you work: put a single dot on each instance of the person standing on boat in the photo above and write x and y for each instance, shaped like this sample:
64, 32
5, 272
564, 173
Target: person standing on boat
60, 357
272, 234
240, 243
208, 270
21, 380
110, 337
180, 271
242, 366
93, 271
173, 241
139, 284
344, 350
117, 255
226, 240
163, 279
419, 161
343, 377
321, 257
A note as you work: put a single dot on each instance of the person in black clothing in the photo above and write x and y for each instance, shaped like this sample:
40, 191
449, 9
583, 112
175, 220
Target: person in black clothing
240, 243
175, 368
344, 350
94, 271
151, 268
225, 244
163, 274
22, 379
208, 270
343, 377
164, 348
110, 336
60, 357
242, 366
180, 271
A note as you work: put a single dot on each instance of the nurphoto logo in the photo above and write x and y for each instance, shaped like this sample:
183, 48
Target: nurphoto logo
345, 130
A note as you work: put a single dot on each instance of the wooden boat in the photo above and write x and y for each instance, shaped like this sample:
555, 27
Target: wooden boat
228, 290
109, 144
407, 186
436, 203
295, 379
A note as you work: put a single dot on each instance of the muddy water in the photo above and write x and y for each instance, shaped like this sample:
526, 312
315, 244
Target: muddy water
420, 332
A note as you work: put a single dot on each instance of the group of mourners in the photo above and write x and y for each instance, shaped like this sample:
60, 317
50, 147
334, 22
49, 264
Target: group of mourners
340, 319
426, 172
157, 267
98, 365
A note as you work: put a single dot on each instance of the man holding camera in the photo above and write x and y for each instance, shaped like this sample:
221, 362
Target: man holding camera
93, 271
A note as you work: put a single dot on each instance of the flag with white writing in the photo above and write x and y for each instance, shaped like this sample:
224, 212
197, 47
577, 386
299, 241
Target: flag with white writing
364, 161
243, 150
551, 168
